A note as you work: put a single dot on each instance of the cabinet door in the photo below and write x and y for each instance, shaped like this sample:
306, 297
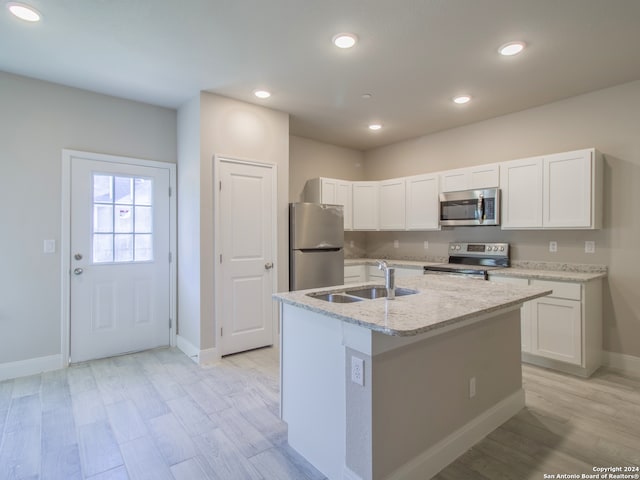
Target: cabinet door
374, 274
365, 205
455, 180
355, 274
521, 185
328, 191
525, 311
392, 204
567, 190
557, 329
484, 176
422, 204
343, 197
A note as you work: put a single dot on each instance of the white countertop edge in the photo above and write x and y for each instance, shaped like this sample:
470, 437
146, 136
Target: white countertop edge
558, 275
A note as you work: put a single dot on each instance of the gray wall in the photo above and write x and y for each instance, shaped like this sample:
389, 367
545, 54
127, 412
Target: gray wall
189, 221
38, 120
310, 158
233, 129
608, 120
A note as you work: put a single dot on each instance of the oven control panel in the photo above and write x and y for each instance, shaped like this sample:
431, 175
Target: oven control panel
479, 249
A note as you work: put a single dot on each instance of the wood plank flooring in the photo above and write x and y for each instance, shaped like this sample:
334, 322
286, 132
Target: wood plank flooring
157, 415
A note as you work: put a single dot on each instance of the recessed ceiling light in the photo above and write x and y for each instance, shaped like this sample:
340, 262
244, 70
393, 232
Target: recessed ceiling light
366, 96
511, 48
24, 12
345, 40
461, 99
262, 94
375, 126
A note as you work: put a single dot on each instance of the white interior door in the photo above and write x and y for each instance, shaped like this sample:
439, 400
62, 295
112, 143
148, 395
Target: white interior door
247, 215
120, 265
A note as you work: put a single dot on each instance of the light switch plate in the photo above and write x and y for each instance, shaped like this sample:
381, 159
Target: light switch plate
426, 245
589, 247
49, 246
396, 244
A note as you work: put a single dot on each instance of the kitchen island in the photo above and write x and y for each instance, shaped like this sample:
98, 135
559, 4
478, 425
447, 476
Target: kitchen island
400, 388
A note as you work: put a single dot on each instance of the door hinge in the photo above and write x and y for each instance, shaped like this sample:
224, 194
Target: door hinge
220, 331
170, 257
220, 258
170, 324
220, 185
169, 191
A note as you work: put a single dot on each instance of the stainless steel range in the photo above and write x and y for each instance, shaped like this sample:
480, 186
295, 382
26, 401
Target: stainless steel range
472, 260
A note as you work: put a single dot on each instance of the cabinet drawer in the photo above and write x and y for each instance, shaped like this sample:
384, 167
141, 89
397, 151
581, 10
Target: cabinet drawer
570, 291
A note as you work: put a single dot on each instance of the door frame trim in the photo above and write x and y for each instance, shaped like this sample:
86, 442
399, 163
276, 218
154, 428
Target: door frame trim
217, 244
65, 240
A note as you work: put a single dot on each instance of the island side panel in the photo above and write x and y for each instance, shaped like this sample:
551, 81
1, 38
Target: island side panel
420, 393
313, 387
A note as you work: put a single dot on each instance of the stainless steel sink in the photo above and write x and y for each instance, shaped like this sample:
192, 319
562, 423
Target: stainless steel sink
378, 292
335, 297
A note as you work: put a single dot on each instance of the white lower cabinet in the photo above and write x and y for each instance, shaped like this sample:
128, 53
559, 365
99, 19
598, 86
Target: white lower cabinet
564, 329
371, 273
355, 274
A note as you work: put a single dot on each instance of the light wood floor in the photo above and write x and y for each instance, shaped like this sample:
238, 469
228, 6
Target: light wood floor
157, 415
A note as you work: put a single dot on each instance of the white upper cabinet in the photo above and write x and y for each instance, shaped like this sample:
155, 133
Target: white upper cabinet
331, 191
422, 202
365, 205
572, 190
471, 178
392, 201
521, 189
559, 191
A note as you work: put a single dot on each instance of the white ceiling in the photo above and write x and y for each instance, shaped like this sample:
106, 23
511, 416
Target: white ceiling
413, 56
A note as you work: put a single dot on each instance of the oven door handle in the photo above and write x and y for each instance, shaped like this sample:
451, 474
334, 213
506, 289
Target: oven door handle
480, 209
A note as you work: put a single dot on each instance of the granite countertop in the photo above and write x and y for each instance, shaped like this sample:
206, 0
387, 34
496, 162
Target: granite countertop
562, 272
441, 301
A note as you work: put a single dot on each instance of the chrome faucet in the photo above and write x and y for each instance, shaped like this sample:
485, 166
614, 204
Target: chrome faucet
389, 278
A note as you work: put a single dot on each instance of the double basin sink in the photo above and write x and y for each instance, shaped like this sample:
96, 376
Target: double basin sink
360, 293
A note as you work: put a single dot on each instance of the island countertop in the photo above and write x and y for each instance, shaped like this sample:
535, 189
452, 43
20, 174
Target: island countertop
441, 301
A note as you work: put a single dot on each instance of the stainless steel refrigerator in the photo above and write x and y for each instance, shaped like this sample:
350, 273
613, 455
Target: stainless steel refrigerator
316, 239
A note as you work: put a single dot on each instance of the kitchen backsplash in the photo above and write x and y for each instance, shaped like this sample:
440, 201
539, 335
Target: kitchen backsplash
526, 246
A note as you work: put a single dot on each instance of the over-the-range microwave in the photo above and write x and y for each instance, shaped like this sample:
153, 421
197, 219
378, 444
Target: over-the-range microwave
470, 207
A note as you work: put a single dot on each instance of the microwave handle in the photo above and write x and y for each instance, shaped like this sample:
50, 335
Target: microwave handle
480, 209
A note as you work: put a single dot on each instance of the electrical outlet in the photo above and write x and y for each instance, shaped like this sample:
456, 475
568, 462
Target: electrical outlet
351, 244
396, 244
589, 247
426, 245
553, 247
357, 370
472, 387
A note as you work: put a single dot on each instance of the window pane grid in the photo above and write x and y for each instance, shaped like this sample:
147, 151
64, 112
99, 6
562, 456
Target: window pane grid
122, 219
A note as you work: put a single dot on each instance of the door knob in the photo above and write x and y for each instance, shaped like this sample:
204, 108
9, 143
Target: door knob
77, 271
268, 266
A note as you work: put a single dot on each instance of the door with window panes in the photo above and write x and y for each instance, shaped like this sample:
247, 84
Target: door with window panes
120, 275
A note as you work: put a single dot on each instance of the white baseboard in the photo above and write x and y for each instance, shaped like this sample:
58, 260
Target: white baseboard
348, 474
625, 363
32, 366
208, 356
200, 357
431, 461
